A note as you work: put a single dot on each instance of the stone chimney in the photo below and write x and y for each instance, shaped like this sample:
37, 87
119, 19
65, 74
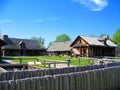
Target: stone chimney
5, 37
104, 39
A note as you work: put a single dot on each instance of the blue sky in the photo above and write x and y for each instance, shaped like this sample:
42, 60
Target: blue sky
50, 18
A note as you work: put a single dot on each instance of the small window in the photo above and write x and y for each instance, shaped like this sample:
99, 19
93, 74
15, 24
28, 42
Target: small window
21, 44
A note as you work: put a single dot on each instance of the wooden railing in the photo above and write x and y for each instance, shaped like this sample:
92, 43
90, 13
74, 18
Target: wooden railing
11, 66
49, 63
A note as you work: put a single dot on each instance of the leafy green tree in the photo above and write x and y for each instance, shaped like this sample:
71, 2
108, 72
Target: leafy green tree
116, 37
62, 38
40, 41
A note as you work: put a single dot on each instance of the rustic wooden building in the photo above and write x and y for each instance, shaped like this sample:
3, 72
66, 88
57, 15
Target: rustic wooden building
60, 48
117, 51
16, 47
2, 43
92, 47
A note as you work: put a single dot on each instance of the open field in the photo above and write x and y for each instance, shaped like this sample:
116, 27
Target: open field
26, 59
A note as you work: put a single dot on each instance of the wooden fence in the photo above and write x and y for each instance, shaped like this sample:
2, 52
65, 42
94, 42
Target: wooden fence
21, 59
11, 66
98, 79
49, 63
14, 75
43, 61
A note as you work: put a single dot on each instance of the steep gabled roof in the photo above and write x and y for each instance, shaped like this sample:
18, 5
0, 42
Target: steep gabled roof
13, 43
60, 46
94, 41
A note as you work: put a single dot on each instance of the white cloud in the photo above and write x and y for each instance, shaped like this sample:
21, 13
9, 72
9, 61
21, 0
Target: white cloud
6, 21
94, 5
40, 20
47, 19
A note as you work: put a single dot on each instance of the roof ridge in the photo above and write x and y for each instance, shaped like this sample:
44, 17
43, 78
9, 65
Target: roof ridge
22, 39
89, 36
62, 42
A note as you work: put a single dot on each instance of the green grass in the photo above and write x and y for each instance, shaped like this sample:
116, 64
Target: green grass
26, 59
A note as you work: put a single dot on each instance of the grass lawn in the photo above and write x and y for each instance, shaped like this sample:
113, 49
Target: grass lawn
26, 59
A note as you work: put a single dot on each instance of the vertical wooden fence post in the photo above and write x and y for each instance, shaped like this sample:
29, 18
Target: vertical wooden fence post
89, 61
20, 60
54, 64
79, 61
44, 63
11, 85
5, 85
92, 61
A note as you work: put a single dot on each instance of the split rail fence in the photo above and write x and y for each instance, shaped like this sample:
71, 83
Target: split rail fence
95, 77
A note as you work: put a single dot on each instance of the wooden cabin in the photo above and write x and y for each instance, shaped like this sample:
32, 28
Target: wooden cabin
92, 47
2, 43
20, 47
60, 48
117, 51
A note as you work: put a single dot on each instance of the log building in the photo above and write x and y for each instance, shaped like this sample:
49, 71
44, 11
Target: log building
20, 47
60, 48
2, 43
92, 47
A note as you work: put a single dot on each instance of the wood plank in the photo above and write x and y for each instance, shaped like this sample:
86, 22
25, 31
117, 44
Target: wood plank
38, 83
23, 84
5, 85
11, 85
33, 83
27, 84
17, 85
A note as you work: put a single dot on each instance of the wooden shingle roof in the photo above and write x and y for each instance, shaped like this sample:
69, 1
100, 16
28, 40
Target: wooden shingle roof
94, 41
60, 46
13, 43
2, 43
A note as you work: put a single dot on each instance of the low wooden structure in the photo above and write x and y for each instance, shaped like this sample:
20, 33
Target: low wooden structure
60, 48
49, 63
14, 66
92, 47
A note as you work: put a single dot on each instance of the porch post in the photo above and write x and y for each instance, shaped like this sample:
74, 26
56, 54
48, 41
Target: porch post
80, 51
88, 51
3, 53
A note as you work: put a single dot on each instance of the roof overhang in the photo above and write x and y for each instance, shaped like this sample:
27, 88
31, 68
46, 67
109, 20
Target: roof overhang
80, 45
2, 43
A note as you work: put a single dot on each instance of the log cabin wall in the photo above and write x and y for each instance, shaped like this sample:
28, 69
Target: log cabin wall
82, 46
95, 51
92, 47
